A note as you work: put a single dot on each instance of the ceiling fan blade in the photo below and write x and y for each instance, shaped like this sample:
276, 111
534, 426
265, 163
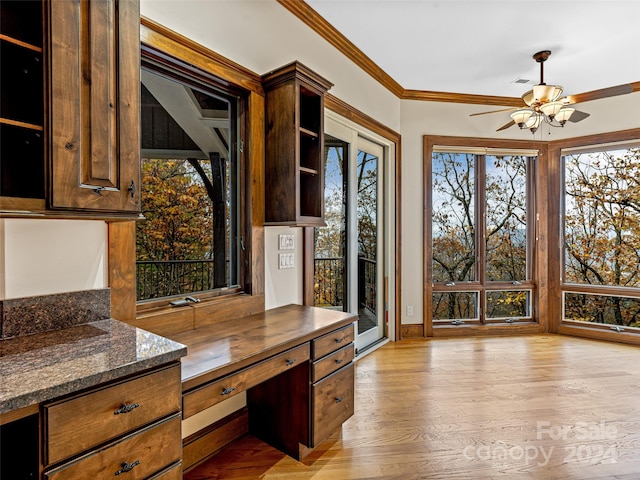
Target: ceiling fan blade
507, 125
493, 111
602, 93
578, 116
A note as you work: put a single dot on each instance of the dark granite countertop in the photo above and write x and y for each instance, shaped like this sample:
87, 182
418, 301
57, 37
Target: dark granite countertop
43, 366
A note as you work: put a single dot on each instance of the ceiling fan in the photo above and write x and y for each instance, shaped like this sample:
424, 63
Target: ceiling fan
544, 104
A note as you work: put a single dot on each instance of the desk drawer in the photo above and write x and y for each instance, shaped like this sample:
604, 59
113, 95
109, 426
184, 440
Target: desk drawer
80, 423
136, 456
219, 390
332, 403
172, 473
332, 341
332, 362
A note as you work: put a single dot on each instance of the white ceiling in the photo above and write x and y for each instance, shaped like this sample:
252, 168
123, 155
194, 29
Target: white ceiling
482, 46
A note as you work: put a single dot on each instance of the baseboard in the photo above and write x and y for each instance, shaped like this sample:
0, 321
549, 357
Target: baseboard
414, 330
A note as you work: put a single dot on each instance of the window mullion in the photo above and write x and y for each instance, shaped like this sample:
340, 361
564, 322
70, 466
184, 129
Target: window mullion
481, 231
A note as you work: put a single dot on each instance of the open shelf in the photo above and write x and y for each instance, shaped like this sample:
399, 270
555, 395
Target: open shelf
294, 182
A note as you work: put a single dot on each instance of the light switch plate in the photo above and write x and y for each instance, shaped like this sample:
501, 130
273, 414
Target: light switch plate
286, 241
285, 260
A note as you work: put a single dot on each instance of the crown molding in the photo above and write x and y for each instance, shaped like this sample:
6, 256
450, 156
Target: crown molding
322, 27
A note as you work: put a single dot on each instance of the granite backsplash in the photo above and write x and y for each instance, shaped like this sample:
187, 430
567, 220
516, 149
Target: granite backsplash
28, 315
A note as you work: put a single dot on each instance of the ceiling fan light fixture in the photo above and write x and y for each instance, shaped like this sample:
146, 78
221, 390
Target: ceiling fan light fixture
564, 114
546, 93
551, 109
521, 116
534, 122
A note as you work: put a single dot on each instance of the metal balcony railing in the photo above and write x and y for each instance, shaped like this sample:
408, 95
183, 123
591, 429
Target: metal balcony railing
330, 286
157, 279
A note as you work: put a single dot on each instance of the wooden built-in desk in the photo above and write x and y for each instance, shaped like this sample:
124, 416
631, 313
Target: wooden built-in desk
294, 362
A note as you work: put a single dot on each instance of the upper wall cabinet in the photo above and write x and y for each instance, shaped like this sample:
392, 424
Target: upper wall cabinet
95, 103
84, 155
294, 146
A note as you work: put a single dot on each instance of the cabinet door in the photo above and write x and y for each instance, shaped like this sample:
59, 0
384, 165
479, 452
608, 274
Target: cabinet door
94, 86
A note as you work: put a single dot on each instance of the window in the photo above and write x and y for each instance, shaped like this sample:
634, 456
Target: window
602, 236
189, 241
481, 247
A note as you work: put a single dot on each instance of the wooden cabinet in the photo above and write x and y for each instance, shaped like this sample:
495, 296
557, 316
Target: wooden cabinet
296, 411
22, 164
95, 105
70, 127
132, 426
215, 392
294, 146
332, 393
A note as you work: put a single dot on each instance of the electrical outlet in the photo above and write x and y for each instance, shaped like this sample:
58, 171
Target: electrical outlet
285, 260
285, 241
409, 310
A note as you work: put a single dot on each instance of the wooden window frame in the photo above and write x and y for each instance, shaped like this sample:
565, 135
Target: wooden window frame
165, 45
558, 287
535, 245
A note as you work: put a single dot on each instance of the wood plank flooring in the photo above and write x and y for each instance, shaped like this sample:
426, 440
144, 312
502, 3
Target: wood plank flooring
531, 407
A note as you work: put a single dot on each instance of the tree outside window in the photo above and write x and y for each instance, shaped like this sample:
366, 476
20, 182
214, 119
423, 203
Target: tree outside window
602, 236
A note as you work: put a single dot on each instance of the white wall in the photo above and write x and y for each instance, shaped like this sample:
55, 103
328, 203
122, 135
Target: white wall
282, 286
40, 257
262, 35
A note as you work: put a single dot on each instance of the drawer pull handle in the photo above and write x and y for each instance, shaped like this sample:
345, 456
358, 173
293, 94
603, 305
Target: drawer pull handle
227, 391
339, 340
339, 399
126, 408
339, 361
291, 362
127, 467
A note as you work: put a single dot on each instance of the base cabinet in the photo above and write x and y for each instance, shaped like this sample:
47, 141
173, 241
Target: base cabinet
332, 403
297, 410
130, 427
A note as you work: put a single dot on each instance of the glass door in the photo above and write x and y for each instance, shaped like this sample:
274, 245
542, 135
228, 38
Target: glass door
348, 252
366, 290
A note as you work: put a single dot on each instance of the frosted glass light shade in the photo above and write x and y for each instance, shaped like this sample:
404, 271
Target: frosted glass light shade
534, 122
521, 116
546, 93
564, 114
551, 109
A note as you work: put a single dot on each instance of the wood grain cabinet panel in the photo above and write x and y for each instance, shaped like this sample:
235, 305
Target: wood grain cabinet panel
332, 362
219, 390
332, 403
94, 90
330, 342
82, 422
172, 473
135, 457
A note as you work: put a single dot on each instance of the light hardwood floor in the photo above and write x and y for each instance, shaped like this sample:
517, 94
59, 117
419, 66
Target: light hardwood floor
530, 407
